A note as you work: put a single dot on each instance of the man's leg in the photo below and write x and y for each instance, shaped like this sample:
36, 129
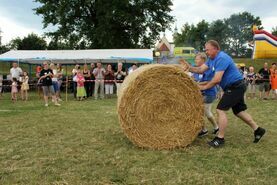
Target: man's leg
222, 123
96, 89
247, 118
267, 89
209, 114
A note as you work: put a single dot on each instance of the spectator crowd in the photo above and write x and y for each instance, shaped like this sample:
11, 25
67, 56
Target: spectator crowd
85, 81
98, 82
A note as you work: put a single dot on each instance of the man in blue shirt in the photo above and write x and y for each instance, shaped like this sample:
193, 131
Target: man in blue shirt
231, 81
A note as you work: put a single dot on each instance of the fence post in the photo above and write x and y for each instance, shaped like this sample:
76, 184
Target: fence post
66, 86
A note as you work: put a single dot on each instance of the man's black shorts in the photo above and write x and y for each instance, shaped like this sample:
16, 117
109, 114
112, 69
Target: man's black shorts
233, 97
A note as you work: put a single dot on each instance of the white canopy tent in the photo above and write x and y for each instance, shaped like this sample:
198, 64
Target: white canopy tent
79, 56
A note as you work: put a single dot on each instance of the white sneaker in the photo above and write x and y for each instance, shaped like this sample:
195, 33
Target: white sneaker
57, 104
46, 105
60, 99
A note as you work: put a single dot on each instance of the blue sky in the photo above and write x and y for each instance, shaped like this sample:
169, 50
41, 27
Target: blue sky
18, 19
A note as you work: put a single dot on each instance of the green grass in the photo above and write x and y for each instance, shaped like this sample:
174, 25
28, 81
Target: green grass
82, 143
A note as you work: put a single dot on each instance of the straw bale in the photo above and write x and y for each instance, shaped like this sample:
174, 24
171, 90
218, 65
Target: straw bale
160, 107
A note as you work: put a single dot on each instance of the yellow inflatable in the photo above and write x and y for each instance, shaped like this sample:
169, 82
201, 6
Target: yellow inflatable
265, 44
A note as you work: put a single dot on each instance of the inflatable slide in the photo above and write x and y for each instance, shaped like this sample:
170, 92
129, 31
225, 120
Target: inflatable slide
265, 44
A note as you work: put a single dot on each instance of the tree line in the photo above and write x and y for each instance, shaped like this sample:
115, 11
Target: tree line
234, 33
109, 24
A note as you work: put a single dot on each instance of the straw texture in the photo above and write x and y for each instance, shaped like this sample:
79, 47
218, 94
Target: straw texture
160, 107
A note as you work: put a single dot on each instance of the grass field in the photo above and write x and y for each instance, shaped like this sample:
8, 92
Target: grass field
82, 143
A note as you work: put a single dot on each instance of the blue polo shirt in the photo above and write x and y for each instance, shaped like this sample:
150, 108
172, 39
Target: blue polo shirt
223, 62
206, 76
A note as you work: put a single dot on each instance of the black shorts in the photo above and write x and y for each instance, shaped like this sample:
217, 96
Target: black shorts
233, 97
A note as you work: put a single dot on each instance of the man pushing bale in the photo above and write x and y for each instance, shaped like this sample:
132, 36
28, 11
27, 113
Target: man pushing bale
231, 81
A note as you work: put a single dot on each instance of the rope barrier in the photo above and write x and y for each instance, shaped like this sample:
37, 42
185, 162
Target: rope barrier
66, 81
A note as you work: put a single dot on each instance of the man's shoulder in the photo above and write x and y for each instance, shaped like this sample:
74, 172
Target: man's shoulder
223, 55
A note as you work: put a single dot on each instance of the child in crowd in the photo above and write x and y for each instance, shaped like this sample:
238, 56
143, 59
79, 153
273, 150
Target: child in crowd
251, 81
14, 89
25, 86
81, 92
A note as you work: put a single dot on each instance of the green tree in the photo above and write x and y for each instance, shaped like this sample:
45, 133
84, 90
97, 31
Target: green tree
15, 43
200, 34
239, 32
192, 35
4, 49
185, 37
217, 31
106, 23
31, 42
274, 31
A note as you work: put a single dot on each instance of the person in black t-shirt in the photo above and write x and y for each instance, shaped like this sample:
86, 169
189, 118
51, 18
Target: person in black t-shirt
46, 75
119, 77
264, 76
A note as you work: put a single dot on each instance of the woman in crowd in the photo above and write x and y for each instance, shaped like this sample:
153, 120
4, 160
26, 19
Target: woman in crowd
119, 77
60, 73
46, 76
74, 75
55, 80
109, 81
86, 73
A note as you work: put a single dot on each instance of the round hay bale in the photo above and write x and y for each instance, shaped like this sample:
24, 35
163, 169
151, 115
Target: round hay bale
160, 107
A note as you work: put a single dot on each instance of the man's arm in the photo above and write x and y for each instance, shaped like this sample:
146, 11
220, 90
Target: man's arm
187, 67
199, 70
95, 72
216, 80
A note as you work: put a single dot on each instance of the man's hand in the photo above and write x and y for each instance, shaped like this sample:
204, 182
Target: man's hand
185, 65
201, 87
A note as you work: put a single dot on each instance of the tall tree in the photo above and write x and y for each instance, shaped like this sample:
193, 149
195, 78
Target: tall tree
239, 32
191, 35
106, 23
185, 37
200, 34
217, 31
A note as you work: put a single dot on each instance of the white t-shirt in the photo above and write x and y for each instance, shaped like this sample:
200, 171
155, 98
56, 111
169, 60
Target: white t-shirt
74, 72
16, 72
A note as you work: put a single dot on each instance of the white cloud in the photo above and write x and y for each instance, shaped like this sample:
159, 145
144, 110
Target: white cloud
11, 30
18, 19
193, 11
269, 23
